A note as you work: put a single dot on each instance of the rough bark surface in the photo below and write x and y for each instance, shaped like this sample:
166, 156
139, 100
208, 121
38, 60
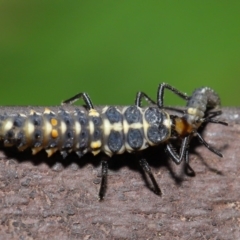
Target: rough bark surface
43, 198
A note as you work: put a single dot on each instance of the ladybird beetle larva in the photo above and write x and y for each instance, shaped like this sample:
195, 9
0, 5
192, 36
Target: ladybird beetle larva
114, 130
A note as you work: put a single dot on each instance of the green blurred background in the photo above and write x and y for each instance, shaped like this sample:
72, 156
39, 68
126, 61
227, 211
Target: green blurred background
51, 50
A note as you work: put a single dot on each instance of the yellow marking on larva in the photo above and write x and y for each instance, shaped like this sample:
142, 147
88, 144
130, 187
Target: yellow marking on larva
117, 127
63, 127
51, 151
91, 127
95, 152
54, 122
125, 126
93, 112
96, 144
105, 109
8, 125
54, 133
47, 111
22, 115
136, 125
167, 123
106, 127
107, 151
77, 127
29, 128
32, 112
145, 128
48, 127
36, 150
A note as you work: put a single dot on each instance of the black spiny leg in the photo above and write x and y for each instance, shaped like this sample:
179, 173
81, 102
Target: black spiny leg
200, 138
85, 98
140, 96
104, 179
144, 164
184, 148
210, 118
188, 169
160, 96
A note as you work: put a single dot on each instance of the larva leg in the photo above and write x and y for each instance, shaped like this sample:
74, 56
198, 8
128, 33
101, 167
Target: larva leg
210, 118
85, 98
144, 164
160, 93
104, 179
200, 138
140, 96
184, 148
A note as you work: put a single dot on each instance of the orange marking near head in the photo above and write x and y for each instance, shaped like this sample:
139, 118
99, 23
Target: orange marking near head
54, 122
182, 127
54, 133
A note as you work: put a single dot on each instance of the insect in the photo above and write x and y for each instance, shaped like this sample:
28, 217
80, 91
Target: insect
111, 130
198, 111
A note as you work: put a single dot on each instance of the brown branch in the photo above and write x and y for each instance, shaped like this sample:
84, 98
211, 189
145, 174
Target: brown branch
41, 198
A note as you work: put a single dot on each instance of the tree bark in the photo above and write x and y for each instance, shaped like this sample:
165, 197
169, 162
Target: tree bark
52, 198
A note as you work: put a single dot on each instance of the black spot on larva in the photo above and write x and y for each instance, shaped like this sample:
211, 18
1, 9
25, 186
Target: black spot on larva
135, 138
115, 141
17, 122
20, 135
96, 121
68, 145
36, 120
157, 134
113, 115
83, 138
82, 118
153, 116
20, 139
37, 134
10, 134
52, 145
97, 134
66, 117
69, 134
133, 115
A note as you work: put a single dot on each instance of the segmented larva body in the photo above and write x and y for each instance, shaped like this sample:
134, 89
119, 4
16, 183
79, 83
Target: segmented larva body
111, 130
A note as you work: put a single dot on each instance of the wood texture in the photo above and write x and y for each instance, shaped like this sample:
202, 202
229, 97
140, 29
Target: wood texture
43, 198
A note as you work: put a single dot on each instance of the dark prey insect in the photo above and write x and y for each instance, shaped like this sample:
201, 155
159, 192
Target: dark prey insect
110, 130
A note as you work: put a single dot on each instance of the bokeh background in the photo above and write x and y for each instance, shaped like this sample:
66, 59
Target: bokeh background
51, 50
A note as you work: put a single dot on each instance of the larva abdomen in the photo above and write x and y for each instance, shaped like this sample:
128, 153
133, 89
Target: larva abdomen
110, 130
